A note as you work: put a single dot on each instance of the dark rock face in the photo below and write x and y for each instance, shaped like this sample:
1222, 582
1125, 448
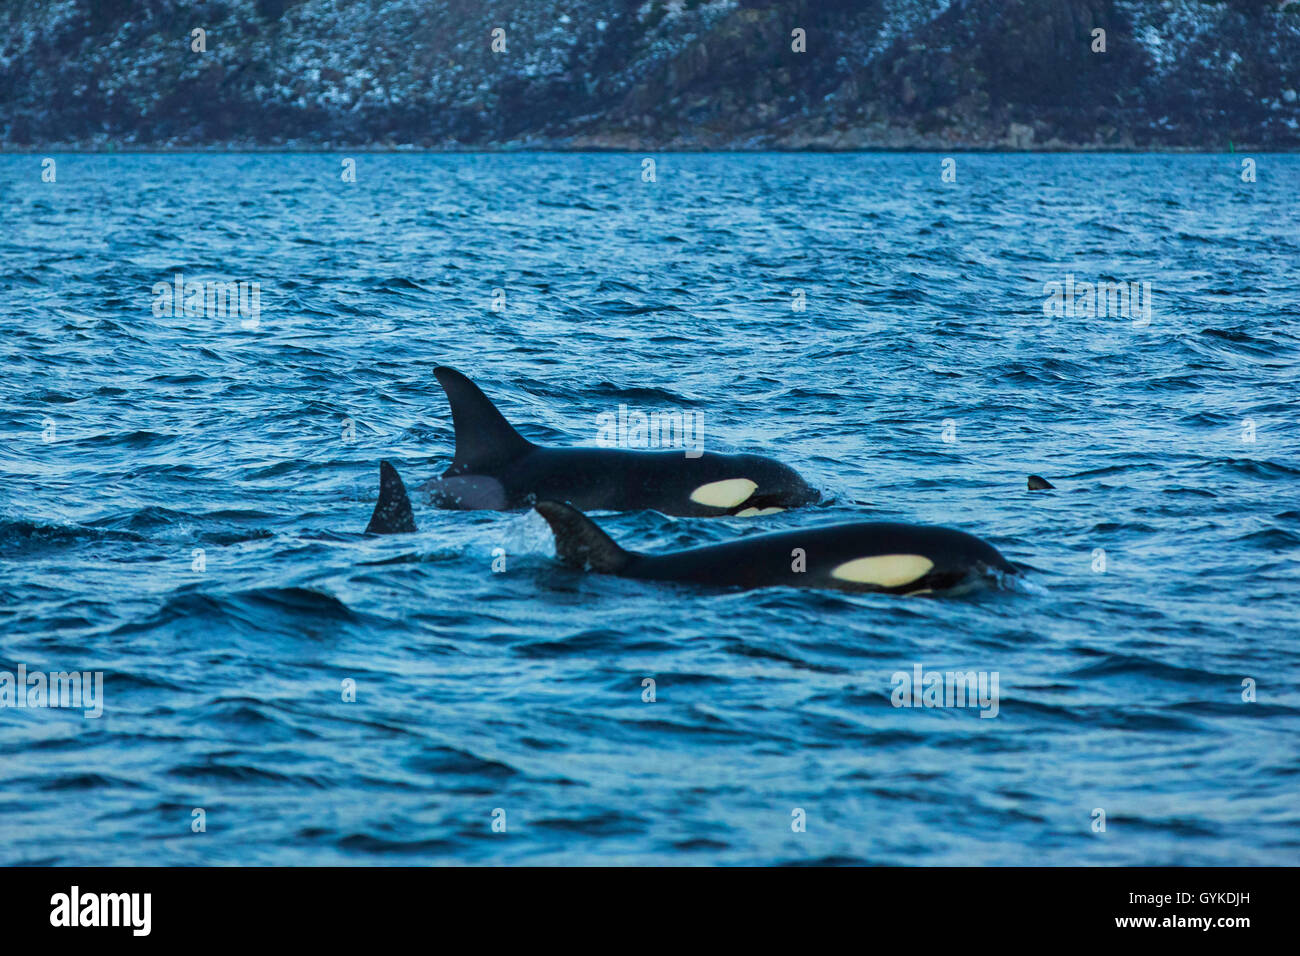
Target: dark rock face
642, 75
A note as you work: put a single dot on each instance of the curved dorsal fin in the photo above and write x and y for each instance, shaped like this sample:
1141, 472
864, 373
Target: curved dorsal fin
484, 438
392, 514
579, 543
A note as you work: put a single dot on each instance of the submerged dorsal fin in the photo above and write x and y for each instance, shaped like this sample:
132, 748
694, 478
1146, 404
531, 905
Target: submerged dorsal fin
392, 513
579, 543
483, 436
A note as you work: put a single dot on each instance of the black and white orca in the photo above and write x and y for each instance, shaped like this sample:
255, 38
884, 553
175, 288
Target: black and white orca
495, 468
890, 558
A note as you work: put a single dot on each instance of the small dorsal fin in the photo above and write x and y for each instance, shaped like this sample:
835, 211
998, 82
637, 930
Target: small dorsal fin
392, 513
484, 439
579, 543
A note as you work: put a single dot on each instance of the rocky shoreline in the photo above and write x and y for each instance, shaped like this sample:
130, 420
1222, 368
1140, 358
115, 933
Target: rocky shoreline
681, 75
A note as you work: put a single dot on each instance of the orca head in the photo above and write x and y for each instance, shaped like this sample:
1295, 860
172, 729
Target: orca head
913, 559
760, 486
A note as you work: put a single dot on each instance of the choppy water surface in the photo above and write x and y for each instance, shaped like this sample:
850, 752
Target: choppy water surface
1120, 690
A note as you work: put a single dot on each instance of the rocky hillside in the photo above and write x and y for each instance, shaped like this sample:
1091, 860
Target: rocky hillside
654, 74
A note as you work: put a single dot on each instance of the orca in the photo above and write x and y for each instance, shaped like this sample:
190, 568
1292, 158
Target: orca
496, 468
859, 557
392, 514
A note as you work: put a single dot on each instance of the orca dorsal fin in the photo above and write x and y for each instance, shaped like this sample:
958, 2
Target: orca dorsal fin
484, 438
579, 543
392, 513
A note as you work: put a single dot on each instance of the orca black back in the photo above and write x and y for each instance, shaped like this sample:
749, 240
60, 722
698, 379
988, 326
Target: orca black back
496, 468
863, 556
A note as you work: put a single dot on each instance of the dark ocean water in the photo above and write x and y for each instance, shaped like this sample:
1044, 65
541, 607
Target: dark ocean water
1119, 690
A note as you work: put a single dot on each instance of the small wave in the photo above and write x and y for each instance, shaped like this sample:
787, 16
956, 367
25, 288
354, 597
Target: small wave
1251, 467
449, 761
606, 823
641, 394
290, 610
367, 843
23, 538
143, 519
585, 642
1272, 539
246, 773
1122, 665
135, 440
79, 781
